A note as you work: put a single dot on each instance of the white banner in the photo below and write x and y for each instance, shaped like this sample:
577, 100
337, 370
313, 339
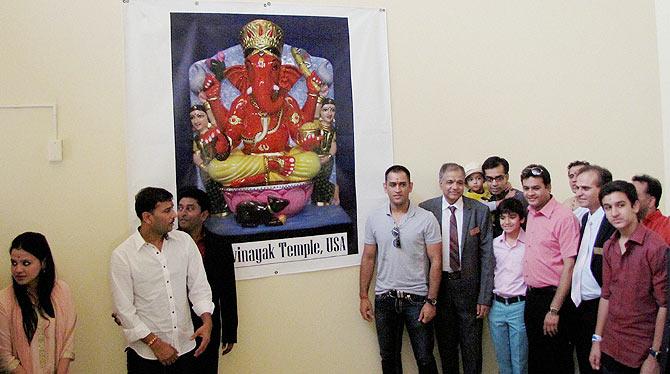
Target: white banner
168, 43
251, 254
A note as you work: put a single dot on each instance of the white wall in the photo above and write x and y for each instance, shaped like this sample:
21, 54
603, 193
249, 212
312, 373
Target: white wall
544, 82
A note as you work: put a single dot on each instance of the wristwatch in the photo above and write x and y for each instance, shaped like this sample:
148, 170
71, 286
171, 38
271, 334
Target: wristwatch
430, 301
654, 354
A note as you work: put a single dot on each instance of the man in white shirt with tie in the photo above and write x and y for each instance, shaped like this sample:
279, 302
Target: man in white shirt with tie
154, 275
582, 308
467, 278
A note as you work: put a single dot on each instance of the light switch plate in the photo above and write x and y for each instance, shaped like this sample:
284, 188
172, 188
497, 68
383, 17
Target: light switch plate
55, 150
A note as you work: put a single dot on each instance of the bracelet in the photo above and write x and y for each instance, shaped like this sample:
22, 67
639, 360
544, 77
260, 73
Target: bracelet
152, 341
596, 338
553, 311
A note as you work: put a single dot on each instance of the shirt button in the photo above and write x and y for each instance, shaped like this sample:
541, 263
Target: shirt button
168, 281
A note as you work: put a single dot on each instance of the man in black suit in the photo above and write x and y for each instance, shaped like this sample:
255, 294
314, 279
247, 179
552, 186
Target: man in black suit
467, 278
217, 255
582, 308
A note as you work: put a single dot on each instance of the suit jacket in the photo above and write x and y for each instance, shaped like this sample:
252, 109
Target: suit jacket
604, 232
477, 261
219, 264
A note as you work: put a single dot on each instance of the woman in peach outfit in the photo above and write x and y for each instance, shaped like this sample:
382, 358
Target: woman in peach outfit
37, 316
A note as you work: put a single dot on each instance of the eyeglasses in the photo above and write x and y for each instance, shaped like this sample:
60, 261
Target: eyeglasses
498, 179
396, 236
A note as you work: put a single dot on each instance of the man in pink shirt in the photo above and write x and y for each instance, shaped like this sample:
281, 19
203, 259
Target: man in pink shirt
552, 239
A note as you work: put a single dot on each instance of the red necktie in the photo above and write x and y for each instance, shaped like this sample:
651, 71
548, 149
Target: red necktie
454, 258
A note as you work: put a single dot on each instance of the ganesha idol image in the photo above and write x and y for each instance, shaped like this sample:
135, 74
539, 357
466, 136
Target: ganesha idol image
261, 95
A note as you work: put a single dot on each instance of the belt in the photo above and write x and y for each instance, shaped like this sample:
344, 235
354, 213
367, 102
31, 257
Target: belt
509, 300
395, 294
452, 275
549, 290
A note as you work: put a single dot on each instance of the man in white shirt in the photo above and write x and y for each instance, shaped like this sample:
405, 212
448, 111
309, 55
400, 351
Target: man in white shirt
154, 274
571, 203
582, 308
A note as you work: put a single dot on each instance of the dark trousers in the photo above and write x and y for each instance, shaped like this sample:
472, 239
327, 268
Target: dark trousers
140, 365
456, 325
581, 324
611, 366
391, 317
546, 354
208, 361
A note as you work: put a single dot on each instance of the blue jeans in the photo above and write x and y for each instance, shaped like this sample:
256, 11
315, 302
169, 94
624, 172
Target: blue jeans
508, 333
391, 316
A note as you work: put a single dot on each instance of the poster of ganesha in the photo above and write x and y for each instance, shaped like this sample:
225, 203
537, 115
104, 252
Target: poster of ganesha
262, 116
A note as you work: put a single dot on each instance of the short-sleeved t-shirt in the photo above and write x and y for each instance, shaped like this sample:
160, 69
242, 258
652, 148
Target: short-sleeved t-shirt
405, 268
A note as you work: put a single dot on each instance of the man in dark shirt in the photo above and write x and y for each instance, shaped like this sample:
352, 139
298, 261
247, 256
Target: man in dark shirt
496, 174
632, 307
217, 255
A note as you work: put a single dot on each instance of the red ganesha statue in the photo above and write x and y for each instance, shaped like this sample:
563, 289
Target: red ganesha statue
263, 133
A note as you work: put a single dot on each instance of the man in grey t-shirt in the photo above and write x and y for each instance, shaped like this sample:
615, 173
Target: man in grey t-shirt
405, 242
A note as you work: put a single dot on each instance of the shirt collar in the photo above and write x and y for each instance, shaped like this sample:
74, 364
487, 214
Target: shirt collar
520, 239
139, 241
639, 234
458, 204
597, 216
548, 208
411, 210
652, 216
636, 237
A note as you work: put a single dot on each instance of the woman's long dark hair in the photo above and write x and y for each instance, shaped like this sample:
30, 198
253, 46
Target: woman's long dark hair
35, 244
